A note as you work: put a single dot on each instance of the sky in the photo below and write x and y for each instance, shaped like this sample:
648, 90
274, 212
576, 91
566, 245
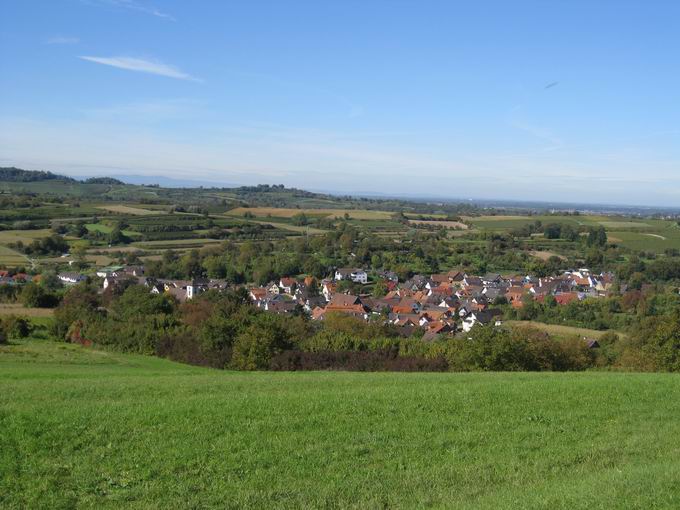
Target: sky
572, 101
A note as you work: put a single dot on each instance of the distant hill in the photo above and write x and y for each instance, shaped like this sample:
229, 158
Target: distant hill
103, 180
12, 174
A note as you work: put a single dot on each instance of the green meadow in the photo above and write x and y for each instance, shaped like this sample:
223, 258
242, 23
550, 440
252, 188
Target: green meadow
83, 428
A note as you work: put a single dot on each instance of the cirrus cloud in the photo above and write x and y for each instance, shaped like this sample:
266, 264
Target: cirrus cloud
142, 66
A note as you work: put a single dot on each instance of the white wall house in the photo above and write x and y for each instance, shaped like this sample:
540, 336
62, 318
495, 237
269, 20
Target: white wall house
355, 275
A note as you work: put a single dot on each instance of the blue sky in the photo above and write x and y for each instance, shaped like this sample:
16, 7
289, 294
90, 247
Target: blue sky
541, 100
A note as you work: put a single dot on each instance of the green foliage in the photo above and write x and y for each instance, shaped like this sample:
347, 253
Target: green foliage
37, 296
262, 339
15, 327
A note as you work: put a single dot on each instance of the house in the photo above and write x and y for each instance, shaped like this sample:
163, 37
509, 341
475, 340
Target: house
178, 293
436, 329
109, 271
281, 307
406, 305
473, 281
484, 318
491, 279
455, 276
196, 286
257, 294
355, 275
347, 303
71, 278
311, 302
287, 284
449, 302
390, 276
415, 283
328, 289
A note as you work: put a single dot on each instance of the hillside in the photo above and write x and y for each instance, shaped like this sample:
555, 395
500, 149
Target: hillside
13, 174
89, 429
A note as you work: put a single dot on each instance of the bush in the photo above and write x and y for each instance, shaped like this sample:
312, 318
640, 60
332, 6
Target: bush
14, 327
185, 348
255, 346
361, 361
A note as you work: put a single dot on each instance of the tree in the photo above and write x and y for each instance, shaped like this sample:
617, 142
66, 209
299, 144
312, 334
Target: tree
379, 289
300, 219
32, 296
117, 237
50, 281
255, 346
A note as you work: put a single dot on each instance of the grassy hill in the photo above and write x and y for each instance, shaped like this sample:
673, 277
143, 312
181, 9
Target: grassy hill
83, 428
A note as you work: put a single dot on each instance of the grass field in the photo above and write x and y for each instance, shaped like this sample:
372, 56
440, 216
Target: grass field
440, 223
125, 209
357, 214
89, 429
559, 331
25, 236
9, 257
174, 244
18, 309
544, 254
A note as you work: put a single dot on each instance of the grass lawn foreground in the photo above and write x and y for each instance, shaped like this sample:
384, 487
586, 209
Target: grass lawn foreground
91, 429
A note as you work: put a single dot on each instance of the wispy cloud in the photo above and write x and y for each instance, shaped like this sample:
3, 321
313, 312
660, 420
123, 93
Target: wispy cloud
133, 5
142, 66
59, 39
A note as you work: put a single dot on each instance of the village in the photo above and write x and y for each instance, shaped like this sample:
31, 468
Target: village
422, 306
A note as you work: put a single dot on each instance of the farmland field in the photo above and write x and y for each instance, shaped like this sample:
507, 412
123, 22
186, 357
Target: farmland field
124, 209
658, 241
501, 223
90, 429
17, 309
25, 236
172, 244
357, 214
440, 223
560, 331
10, 257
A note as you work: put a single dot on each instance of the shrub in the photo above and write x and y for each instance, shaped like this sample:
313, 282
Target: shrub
14, 327
361, 361
255, 346
186, 348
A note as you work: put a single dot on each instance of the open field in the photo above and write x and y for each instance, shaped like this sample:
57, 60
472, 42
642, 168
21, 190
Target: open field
291, 228
25, 236
440, 223
124, 209
10, 257
657, 241
560, 331
504, 223
90, 429
624, 224
18, 309
173, 243
544, 254
357, 214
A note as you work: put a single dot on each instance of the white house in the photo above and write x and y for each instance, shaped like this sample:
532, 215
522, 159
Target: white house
70, 278
353, 274
484, 317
